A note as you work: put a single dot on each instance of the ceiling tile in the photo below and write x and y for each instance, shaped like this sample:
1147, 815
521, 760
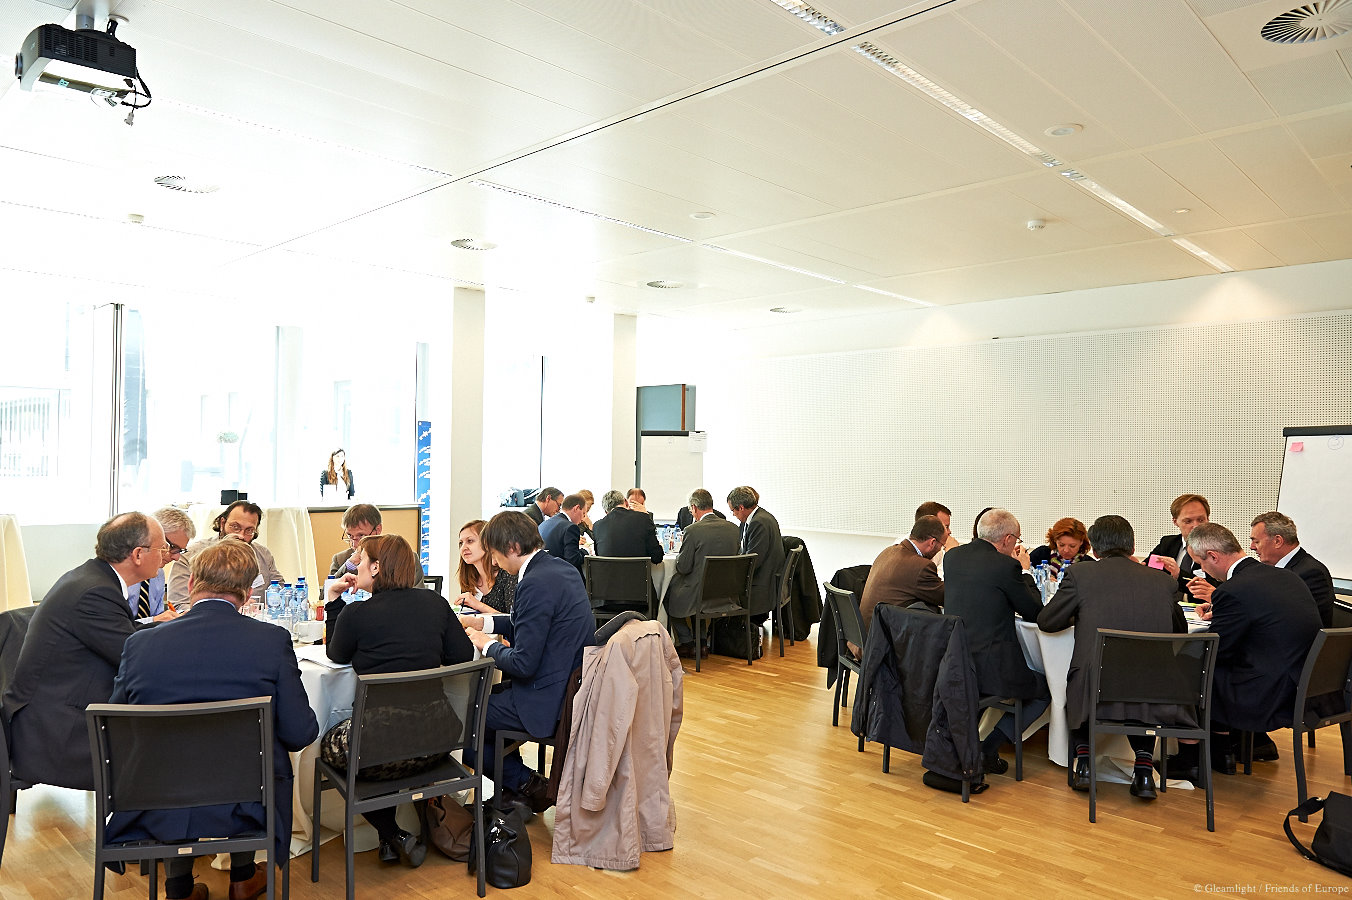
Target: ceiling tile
1305, 84
1275, 162
1212, 176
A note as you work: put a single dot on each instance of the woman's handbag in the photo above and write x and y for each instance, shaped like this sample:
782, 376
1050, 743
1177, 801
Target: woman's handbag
450, 827
1332, 844
506, 847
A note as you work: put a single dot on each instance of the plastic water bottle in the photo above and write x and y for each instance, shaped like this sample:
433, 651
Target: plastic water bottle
680, 539
288, 592
300, 602
273, 599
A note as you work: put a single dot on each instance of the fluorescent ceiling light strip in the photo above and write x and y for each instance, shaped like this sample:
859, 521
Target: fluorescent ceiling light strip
771, 262
582, 212
955, 103
1205, 256
813, 17
1107, 196
874, 290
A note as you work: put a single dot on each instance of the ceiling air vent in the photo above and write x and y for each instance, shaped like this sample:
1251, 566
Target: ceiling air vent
186, 185
1318, 20
666, 285
473, 244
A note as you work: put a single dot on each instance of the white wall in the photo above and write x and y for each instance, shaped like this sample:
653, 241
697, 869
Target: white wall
1112, 400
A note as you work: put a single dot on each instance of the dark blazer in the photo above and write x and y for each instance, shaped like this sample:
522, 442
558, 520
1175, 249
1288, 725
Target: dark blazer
1266, 619
707, 537
533, 510
561, 539
325, 482
986, 588
760, 535
1169, 546
68, 661
901, 576
340, 559
551, 622
214, 653
625, 532
397, 631
1115, 592
685, 518
1317, 578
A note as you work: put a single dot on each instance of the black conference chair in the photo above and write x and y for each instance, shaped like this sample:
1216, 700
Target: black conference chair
724, 593
180, 755
1013, 706
618, 584
400, 716
849, 627
782, 613
1322, 699
1165, 669
434, 583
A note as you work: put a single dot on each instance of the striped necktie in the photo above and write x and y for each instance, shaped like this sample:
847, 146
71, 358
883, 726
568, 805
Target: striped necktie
143, 601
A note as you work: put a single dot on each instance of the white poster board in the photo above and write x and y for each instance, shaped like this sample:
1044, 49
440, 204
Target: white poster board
1316, 492
671, 466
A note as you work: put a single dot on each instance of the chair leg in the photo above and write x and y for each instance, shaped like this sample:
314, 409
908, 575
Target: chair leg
698, 642
1018, 739
314, 824
748, 639
348, 825
286, 876
1208, 777
154, 877
1093, 772
272, 876
5, 813
1345, 728
1310, 737
478, 860
779, 618
1298, 753
887, 757
499, 750
98, 877
1246, 751
836, 704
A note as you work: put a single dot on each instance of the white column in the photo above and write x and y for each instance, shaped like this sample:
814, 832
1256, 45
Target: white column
624, 399
458, 429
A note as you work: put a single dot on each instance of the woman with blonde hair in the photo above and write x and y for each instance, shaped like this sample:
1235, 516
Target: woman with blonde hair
483, 586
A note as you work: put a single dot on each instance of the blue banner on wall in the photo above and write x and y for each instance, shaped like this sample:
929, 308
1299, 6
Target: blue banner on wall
422, 484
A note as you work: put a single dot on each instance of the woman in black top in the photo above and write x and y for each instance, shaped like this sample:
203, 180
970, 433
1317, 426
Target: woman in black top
1067, 542
483, 586
401, 628
338, 474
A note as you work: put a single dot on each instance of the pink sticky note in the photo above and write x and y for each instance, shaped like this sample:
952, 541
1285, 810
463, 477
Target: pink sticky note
1297, 446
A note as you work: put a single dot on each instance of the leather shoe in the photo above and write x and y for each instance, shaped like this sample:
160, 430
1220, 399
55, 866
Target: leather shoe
994, 765
199, 892
389, 853
1081, 781
251, 888
411, 849
1223, 761
1264, 750
1143, 783
1183, 769
536, 793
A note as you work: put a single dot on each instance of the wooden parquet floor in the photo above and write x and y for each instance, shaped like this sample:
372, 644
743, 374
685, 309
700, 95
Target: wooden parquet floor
772, 801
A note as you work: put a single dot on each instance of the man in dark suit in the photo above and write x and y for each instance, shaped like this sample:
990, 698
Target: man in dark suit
1115, 592
561, 534
72, 650
905, 573
708, 535
359, 521
545, 506
760, 535
550, 623
986, 582
1267, 619
1188, 511
213, 653
624, 532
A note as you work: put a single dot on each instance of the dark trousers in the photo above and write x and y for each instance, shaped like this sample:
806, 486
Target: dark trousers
1140, 743
502, 716
178, 872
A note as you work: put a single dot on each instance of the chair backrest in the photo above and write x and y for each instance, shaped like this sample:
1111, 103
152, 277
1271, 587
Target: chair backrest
1326, 672
726, 579
181, 755
434, 583
614, 624
786, 577
1140, 667
850, 625
404, 715
624, 582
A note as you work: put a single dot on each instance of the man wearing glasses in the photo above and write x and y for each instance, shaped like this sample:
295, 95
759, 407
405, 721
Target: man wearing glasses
72, 651
240, 521
361, 520
146, 598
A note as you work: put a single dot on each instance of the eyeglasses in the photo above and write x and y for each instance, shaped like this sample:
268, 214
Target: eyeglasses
165, 549
175, 550
236, 528
353, 540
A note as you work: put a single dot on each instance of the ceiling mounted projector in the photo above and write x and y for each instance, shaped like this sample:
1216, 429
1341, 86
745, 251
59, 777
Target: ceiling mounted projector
85, 60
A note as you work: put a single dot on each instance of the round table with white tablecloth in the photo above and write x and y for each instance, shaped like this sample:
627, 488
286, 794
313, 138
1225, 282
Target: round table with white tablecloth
662, 575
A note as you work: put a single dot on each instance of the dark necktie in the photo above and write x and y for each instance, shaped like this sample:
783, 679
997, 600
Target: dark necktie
143, 601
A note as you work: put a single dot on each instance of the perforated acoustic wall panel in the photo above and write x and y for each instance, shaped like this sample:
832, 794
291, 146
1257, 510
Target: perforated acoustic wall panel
1080, 425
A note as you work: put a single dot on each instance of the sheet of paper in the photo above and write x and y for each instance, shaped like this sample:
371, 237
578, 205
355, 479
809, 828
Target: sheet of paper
315, 653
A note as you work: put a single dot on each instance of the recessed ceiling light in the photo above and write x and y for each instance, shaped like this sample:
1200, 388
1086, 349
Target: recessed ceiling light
135, 218
1064, 130
702, 215
874, 290
186, 185
1205, 256
1182, 210
785, 310
663, 285
473, 244
813, 17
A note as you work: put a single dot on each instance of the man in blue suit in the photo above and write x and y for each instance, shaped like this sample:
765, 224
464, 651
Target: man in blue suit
551, 622
561, 534
214, 653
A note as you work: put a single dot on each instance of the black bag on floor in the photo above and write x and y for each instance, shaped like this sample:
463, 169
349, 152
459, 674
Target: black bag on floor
1332, 844
729, 638
506, 847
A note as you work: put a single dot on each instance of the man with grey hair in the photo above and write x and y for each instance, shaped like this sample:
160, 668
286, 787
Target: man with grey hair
545, 506
1266, 619
987, 582
72, 651
625, 532
761, 536
146, 598
1272, 537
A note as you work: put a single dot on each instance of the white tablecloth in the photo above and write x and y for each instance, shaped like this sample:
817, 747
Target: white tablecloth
662, 574
14, 589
